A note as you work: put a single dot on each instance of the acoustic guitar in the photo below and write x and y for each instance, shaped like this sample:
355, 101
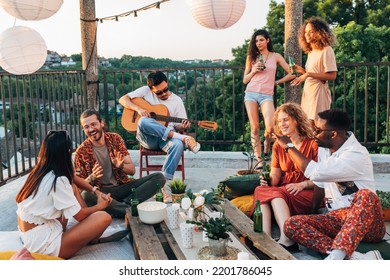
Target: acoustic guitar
158, 112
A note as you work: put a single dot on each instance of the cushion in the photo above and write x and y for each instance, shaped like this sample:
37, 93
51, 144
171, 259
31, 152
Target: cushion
244, 203
10, 241
383, 247
242, 185
7, 255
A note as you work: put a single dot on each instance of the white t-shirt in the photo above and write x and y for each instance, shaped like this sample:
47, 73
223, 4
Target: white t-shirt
49, 204
174, 103
350, 163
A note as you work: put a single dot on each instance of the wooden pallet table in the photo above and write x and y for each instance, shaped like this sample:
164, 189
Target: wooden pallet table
156, 242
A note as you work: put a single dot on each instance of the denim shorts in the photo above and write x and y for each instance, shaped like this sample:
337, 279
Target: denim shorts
257, 97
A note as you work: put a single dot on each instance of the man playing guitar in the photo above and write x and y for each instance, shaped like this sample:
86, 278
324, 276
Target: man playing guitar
153, 135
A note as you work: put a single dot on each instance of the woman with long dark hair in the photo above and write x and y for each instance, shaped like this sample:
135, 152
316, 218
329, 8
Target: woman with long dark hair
48, 199
259, 76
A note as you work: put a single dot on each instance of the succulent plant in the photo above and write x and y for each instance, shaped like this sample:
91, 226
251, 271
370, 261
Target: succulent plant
177, 186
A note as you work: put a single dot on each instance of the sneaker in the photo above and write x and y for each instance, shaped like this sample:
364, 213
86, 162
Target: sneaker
166, 190
370, 255
113, 233
191, 144
71, 223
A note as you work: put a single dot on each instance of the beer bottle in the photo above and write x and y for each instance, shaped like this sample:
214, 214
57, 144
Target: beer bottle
257, 218
159, 194
261, 60
265, 173
134, 203
291, 64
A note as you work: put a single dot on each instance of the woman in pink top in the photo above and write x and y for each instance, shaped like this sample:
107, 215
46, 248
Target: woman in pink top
316, 38
260, 80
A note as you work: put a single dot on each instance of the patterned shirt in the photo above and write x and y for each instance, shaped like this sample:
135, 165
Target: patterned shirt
85, 158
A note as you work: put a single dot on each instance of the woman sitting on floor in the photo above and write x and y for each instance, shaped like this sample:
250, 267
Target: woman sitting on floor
290, 192
48, 199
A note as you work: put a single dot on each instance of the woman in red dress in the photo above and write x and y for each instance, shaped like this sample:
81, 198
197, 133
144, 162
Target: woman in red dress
290, 192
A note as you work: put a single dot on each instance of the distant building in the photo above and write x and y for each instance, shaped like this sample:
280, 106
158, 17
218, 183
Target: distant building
67, 61
104, 62
218, 61
53, 59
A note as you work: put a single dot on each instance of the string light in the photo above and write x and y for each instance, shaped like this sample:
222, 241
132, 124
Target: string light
155, 5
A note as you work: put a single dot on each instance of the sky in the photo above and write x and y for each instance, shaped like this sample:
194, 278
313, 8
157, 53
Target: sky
172, 33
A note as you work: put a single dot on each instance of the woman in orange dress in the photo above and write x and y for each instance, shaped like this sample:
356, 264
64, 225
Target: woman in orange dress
290, 192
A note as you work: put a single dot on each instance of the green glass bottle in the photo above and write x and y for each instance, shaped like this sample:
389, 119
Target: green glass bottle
261, 60
258, 218
134, 203
159, 194
291, 64
266, 174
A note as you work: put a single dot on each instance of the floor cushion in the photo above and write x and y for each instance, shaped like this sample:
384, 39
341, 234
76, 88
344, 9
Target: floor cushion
244, 203
240, 185
7, 255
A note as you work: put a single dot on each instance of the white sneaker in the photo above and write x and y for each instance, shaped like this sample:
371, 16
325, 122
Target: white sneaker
166, 190
111, 230
112, 234
71, 223
370, 255
191, 144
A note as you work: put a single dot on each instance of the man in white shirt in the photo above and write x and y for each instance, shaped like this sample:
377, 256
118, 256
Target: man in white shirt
153, 135
344, 173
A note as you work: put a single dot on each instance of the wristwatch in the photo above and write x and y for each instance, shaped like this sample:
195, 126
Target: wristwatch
288, 146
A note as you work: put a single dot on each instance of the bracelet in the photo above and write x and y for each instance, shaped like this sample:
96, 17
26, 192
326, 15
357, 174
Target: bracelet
94, 189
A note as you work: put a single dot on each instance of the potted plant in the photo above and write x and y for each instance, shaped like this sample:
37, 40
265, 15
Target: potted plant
251, 160
384, 198
178, 189
216, 228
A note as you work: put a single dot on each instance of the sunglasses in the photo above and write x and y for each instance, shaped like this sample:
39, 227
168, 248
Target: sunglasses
160, 92
319, 130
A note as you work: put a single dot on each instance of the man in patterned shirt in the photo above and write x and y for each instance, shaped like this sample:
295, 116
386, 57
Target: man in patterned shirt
104, 162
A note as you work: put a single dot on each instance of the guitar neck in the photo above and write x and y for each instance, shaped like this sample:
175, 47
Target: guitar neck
171, 119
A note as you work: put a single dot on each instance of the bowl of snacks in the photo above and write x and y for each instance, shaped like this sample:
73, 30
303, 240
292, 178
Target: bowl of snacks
152, 212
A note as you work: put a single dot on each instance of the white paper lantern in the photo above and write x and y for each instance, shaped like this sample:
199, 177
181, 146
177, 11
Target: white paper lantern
22, 50
217, 14
31, 9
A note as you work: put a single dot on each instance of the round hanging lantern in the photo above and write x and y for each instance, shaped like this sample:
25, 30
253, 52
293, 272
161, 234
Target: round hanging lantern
31, 9
22, 50
217, 14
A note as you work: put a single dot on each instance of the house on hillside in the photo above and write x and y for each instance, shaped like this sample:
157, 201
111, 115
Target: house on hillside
104, 62
67, 61
53, 59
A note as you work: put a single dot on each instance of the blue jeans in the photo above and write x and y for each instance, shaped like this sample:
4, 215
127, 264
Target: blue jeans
154, 136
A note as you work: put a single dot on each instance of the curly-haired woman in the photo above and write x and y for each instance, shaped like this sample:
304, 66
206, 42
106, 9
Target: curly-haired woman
290, 193
316, 39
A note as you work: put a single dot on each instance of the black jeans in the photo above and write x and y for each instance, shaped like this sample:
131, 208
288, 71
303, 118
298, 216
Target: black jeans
145, 187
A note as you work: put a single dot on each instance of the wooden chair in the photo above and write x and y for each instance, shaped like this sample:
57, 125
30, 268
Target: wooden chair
143, 152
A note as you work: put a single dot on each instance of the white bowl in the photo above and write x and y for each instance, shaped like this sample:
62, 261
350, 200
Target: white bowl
152, 212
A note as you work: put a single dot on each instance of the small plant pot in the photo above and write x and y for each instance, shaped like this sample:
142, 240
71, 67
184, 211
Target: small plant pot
176, 197
386, 214
218, 248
